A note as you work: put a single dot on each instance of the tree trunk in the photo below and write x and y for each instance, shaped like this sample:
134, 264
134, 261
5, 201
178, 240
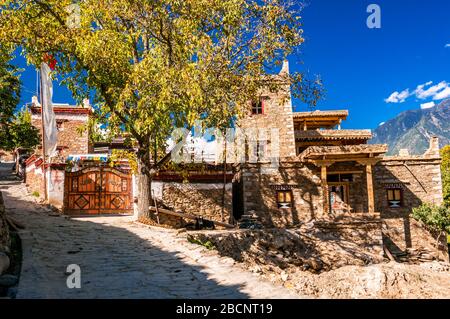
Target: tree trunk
144, 181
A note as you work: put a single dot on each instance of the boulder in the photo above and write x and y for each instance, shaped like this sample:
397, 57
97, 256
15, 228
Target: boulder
4, 262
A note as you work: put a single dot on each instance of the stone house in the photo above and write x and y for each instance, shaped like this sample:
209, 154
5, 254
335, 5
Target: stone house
334, 175
69, 119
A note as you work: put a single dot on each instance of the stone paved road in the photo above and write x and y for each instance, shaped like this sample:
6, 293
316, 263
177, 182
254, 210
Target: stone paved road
120, 259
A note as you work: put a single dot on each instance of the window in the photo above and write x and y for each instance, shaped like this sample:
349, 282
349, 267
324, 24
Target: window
60, 125
258, 107
284, 199
395, 197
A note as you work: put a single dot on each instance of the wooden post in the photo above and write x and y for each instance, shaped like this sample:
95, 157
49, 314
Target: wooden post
326, 196
370, 190
43, 139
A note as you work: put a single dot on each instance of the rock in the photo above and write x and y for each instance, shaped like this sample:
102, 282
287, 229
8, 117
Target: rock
315, 264
8, 280
284, 276
4, 262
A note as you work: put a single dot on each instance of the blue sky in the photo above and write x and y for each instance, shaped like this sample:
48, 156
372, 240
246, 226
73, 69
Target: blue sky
360, 67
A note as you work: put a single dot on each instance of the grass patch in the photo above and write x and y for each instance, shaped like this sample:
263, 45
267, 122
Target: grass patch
207, 244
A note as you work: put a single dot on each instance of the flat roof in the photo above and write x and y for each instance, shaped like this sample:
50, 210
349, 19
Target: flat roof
313, 135
338, 113
343, 152
320, 119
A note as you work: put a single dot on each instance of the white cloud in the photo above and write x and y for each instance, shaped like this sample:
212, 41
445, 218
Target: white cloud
424, 91
428, 105
447, 45
398, 97
444, 94
432, 91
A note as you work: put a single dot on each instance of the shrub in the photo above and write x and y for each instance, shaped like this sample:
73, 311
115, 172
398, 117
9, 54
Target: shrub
436, 218
35, 194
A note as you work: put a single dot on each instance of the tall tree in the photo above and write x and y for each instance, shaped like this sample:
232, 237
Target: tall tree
16, 129
156, 65
9, 94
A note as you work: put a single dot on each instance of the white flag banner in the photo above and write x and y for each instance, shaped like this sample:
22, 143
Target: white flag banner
49, 118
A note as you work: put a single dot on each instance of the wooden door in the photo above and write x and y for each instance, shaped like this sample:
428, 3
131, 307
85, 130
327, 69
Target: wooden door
98, 190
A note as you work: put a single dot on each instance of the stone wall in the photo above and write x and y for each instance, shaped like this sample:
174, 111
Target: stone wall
278, 114
418, 177
260, 191
200, 199
34, 179
69, 139
4, 232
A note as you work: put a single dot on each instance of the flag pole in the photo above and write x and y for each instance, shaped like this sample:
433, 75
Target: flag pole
43, 137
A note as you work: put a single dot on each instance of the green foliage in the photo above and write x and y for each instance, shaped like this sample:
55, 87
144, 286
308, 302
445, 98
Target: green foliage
118, 155
436, 218
9, 93
158, 65
208, 244
445, 168
20, 132
35, 194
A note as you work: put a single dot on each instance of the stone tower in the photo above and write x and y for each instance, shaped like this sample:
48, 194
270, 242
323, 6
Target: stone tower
274, 111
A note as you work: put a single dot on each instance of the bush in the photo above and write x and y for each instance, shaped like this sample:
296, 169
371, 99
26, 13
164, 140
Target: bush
436, 218
35, 194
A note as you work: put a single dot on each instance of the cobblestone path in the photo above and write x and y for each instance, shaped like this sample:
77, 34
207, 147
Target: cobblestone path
119, 258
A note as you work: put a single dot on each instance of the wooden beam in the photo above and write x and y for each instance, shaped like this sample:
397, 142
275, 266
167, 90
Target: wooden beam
326, 197
370, 191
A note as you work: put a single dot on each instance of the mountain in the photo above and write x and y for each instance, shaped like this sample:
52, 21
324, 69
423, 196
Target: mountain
412, 129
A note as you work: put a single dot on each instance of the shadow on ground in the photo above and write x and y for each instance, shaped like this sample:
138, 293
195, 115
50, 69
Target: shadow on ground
114, 262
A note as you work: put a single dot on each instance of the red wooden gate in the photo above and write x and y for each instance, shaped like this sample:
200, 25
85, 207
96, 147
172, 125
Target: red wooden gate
98, 190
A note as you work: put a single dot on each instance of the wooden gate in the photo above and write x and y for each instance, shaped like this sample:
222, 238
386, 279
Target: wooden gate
98, 190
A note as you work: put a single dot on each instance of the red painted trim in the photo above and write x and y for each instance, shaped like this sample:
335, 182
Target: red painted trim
38, 162
66, 110
30, 159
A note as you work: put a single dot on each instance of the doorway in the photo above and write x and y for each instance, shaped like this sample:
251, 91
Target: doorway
339, 198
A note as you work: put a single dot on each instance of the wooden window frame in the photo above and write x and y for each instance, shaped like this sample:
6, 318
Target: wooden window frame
400, 200
258, 107
284, 203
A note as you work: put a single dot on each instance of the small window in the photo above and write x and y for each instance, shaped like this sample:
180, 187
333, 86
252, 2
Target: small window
395, 197
258, 107
60, 125
284, 199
